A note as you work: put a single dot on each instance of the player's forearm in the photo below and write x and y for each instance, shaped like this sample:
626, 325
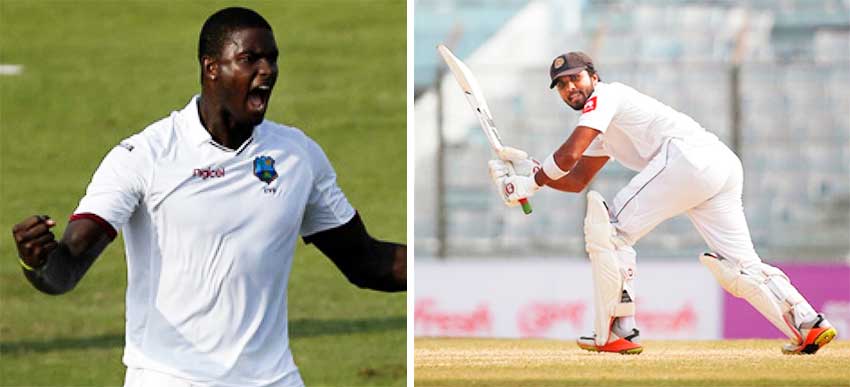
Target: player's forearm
563, 160
567, 156
568, 183
366, 262
375, 265
399, 266
384, 268
62, 272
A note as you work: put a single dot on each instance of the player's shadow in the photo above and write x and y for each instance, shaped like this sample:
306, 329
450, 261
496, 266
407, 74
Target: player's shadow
309, 327
305, 327
60, 344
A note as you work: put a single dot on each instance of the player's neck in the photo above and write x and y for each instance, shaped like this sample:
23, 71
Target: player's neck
221, 127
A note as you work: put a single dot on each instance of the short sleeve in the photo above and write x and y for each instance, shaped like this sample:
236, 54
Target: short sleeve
327, 206
118, 184
600, 108
596, 149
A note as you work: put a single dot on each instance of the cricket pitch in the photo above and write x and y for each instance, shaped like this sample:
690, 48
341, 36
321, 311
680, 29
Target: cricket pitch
532, 362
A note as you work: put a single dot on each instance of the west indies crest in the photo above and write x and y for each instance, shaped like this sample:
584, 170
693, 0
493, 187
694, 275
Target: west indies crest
264, 169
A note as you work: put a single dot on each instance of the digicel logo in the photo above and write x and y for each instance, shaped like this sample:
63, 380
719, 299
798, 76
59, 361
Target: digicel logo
207, 173
590, 105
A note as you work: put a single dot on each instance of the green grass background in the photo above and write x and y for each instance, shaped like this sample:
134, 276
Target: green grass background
97, 72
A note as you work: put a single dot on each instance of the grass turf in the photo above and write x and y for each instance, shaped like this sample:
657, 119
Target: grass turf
97, 72
491, 362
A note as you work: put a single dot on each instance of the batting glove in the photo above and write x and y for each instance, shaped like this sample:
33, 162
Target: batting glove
512, 154
499, 170
513, 161
523, 164
518, 187
526, 167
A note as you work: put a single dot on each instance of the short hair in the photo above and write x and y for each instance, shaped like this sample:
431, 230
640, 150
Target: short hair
591, 71
221, 24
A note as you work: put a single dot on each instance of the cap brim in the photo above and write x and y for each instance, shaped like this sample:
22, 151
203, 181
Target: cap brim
565, 72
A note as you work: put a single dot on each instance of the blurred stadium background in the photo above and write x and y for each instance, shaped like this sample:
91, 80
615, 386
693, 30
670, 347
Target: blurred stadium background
770, 78
92, 73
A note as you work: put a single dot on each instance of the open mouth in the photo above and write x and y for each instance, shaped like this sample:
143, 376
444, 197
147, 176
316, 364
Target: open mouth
258, 98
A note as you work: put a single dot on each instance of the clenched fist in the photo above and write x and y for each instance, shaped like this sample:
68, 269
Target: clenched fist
34, 239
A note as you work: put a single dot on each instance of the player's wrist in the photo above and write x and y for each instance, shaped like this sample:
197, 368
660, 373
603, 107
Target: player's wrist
33, 268
551, 168
540, 178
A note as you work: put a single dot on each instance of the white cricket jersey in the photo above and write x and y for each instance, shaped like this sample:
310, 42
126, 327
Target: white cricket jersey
210, 234
634, 125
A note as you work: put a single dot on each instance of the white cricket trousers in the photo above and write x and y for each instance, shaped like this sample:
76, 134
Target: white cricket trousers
703, 180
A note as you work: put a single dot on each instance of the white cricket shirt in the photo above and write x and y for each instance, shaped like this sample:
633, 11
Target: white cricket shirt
210, 234
633, 125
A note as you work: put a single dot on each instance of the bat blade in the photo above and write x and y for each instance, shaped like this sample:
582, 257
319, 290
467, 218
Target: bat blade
464, 77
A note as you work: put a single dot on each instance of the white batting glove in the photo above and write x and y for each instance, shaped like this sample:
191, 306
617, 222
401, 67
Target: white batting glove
518, 187
523, 164
526, 167
512, 154
499, 170
519, 160
513, 162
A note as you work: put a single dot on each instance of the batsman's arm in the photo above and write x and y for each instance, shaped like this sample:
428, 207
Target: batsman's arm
567, 155
580, 175
366, 262
56, 267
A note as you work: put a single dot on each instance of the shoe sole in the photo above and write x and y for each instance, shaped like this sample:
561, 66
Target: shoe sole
822, 339
629, 351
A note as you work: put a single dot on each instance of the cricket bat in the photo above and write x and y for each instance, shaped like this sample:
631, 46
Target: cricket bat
476, 100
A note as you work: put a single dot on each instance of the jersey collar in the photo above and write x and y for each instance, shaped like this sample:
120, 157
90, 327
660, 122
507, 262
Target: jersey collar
195, 131
198, 135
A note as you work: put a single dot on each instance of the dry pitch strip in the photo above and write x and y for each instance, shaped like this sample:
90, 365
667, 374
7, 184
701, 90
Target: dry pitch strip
494, 362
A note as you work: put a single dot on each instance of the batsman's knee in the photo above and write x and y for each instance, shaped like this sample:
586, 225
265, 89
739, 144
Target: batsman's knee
599, 233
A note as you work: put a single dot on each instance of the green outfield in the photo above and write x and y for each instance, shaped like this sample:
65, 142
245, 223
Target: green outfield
474, 362
96, 72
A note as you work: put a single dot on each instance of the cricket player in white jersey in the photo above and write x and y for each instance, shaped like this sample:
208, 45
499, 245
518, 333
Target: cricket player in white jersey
211, 200
682, 168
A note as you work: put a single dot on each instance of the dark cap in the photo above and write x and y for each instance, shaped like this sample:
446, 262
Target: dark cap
568, 64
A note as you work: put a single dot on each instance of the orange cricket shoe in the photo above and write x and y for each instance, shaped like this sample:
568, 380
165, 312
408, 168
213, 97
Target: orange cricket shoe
623, 345
815, 336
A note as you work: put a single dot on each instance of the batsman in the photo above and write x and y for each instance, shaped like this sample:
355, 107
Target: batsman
682, 168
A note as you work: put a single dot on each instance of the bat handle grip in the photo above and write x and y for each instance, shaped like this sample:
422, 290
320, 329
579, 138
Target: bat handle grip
526, 206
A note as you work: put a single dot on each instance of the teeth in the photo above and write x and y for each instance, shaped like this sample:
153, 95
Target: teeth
264, 87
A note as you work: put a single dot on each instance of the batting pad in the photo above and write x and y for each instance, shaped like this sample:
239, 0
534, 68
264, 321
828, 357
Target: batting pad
765, 287
613, 265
